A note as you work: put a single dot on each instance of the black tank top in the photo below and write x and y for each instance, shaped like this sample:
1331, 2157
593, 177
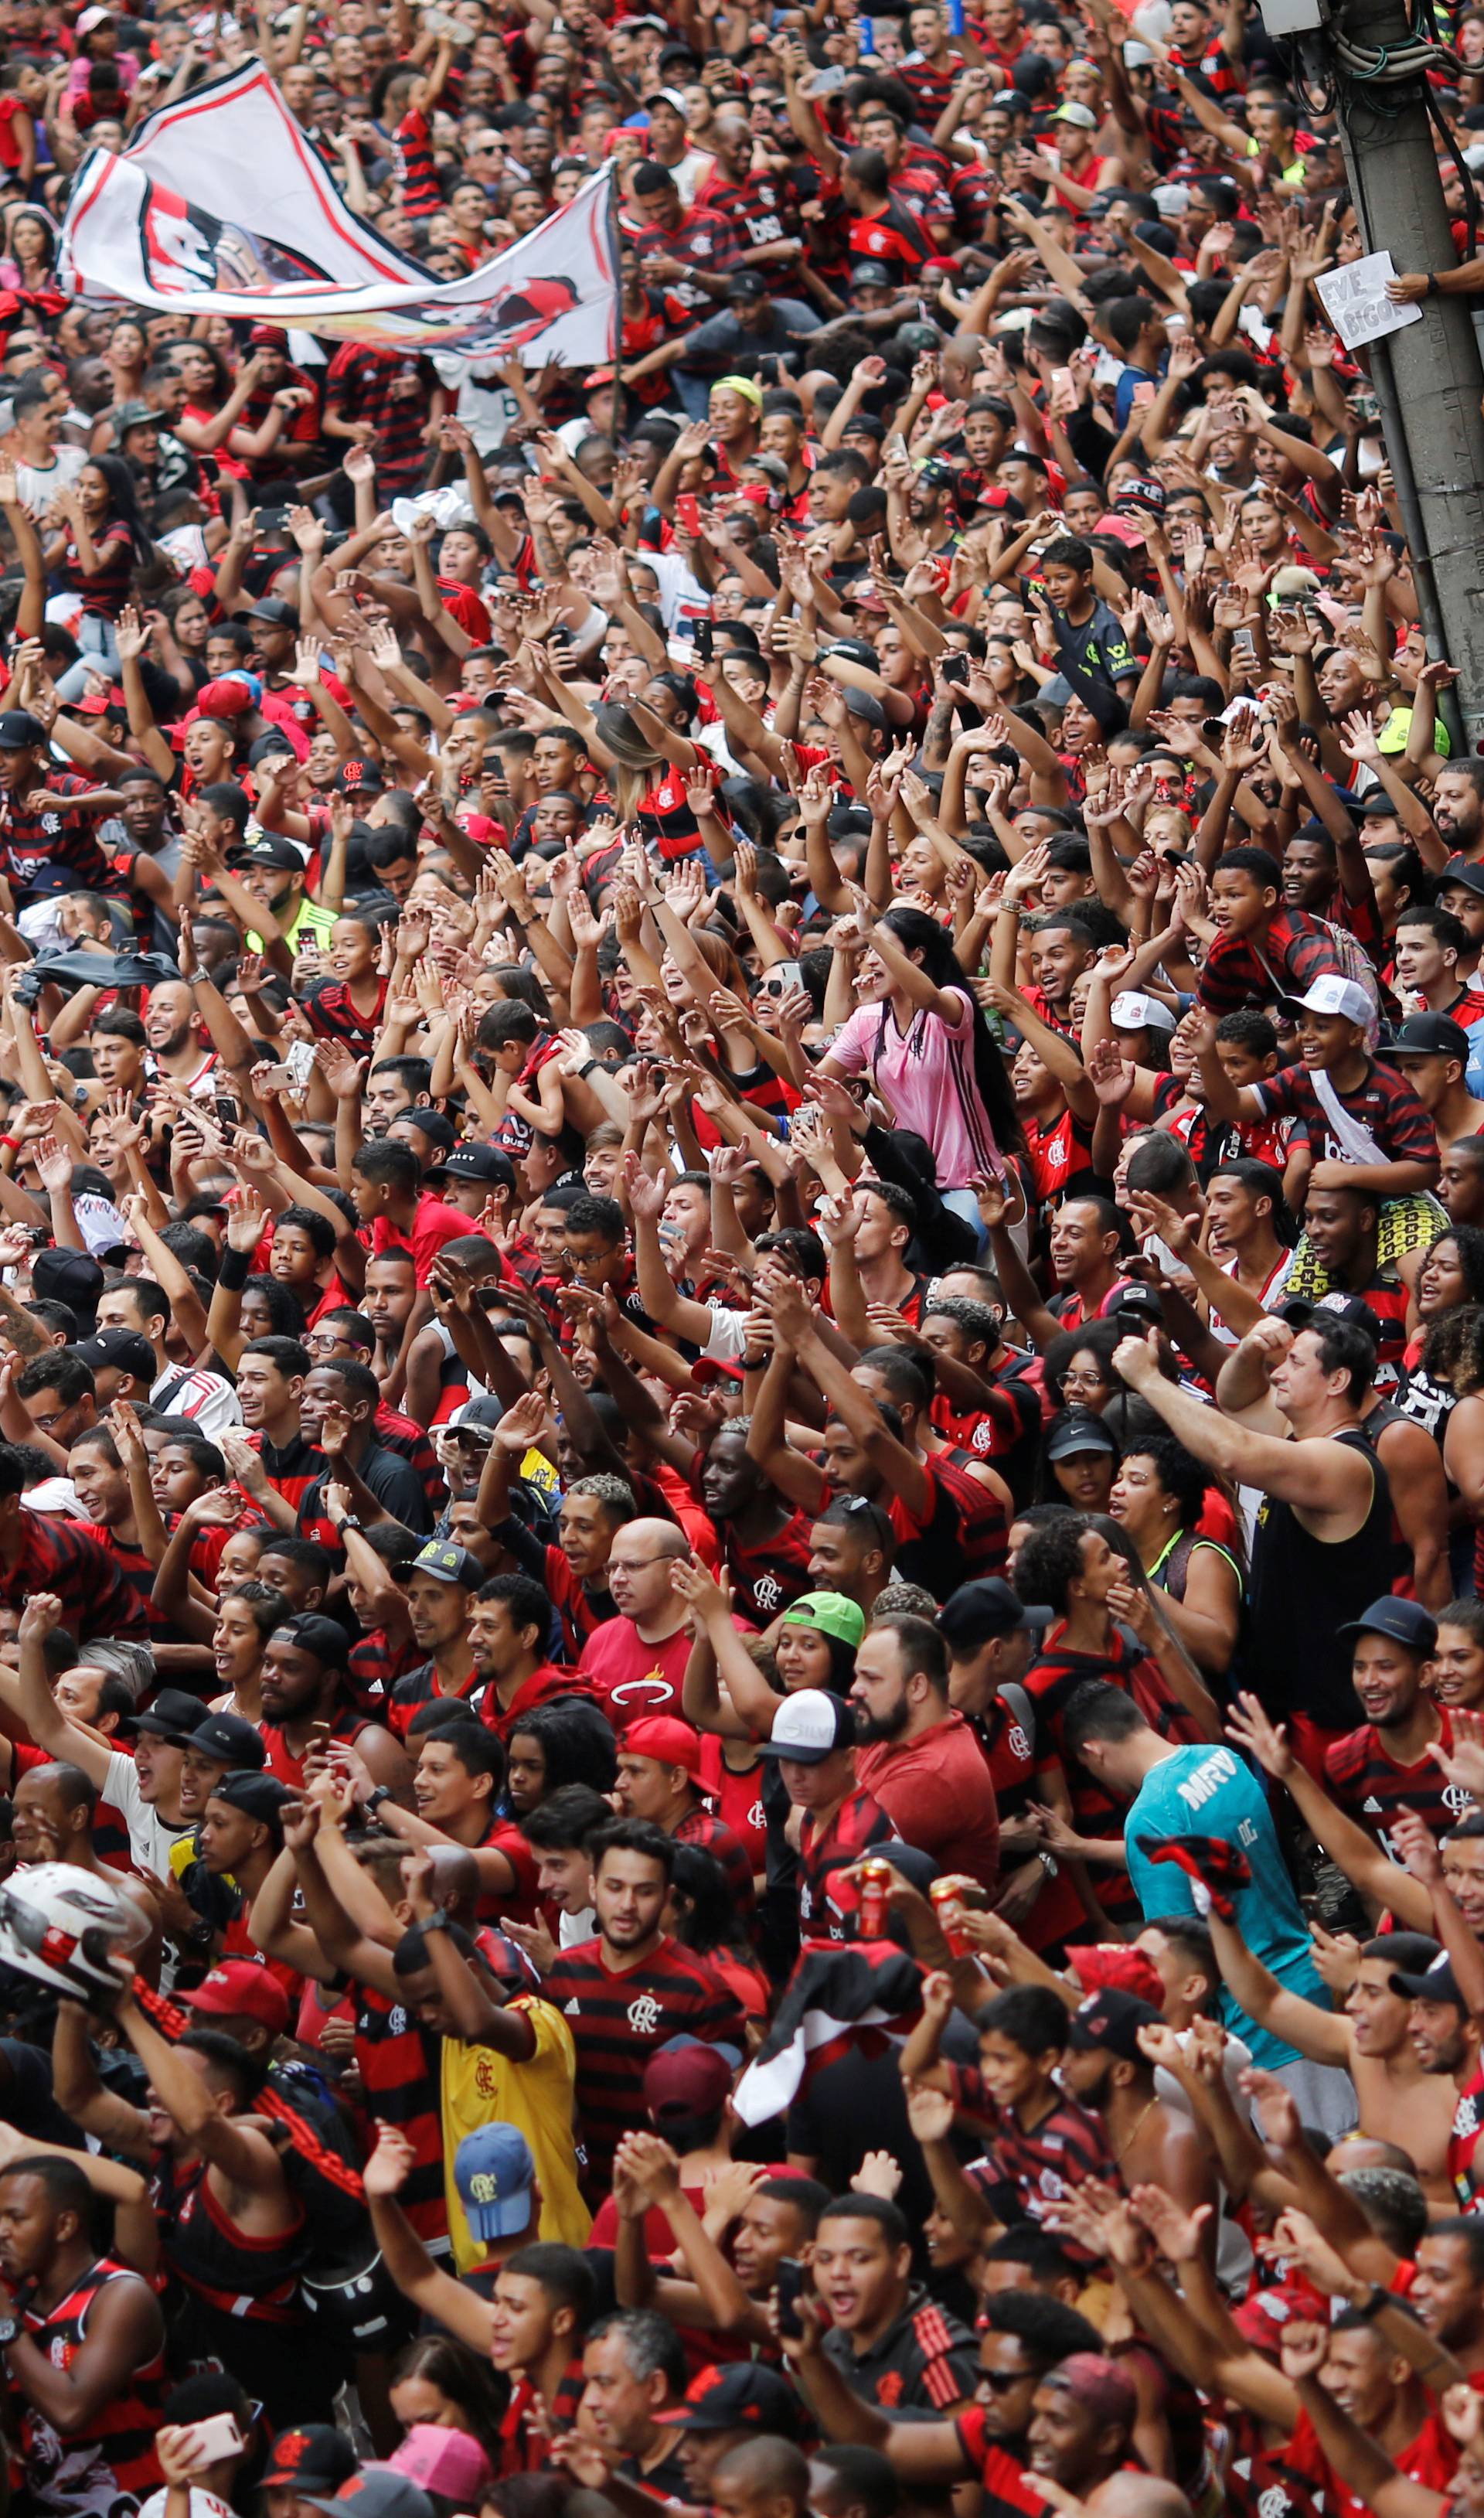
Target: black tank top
217, 2262
1302, 1589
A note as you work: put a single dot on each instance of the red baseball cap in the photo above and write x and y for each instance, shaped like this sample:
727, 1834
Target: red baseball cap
660, 1736
242, 1989
1113, 1966
686, 2079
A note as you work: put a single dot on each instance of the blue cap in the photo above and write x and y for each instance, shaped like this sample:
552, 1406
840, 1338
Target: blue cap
494, 2173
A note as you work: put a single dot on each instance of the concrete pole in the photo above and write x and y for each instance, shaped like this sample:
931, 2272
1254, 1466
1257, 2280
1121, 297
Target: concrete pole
1428, 379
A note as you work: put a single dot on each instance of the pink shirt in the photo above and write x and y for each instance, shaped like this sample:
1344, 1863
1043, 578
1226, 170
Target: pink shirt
925, 1076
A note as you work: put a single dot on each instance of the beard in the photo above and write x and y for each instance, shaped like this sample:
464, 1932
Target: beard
871, 1727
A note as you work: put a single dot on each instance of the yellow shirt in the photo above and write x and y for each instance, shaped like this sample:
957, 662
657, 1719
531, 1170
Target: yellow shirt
482, 2086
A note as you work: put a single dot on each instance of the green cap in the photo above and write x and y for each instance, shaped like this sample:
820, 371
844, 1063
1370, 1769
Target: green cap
830, 1613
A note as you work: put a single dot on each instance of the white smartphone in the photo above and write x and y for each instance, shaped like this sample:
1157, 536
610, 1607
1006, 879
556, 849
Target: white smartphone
215, 2437
299, 1064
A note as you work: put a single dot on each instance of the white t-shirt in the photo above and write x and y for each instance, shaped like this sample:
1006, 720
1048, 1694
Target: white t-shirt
150, 1839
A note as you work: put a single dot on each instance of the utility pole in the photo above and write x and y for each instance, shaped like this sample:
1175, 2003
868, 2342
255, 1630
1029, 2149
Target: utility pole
1428, 379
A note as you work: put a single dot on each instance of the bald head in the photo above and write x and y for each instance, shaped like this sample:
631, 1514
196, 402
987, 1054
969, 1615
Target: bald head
768, 2477
639, 1565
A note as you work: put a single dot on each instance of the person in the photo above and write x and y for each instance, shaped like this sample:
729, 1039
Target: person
891, 2345
915, 1755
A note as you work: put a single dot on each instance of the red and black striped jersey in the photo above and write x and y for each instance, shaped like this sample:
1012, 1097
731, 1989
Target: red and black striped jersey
522, 2435
421, 1686
1370, 1787
375, 1666
57, 1556
1026, 2169
701, 1827
926, 2361
399, 2065
1007, 2490
291, 1467
392, 389
120, 2435
984, 1532
619, 2019
1051, 1681
769, 1574
858, 1824
204, 2250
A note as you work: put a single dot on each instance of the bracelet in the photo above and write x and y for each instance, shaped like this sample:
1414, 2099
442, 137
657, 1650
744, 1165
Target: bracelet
584, 1073
14, 1144
374, 1799
1431, 289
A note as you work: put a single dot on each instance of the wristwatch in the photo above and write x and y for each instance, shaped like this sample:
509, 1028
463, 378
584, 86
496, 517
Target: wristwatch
436, 1922
374, 1799
350, 1521
10, 2327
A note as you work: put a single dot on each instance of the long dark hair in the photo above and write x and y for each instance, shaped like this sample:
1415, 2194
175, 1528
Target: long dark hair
123, 499
917, 933
576, 1741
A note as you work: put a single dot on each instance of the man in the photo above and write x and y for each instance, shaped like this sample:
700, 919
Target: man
440, 1591
916, 1757
39, 1552
1325, 1526
1206, 1793
1445, 2032
892, 2344
238, 1841
386, 1183
145, 1788
634, 2372
851, 1547
725, 2405
1432, 1052
659, 1781
48, 840
561, 1833
458, 1777
635, 1663
1431, 948
306, 1702
509, 1622
1387, 1764
991, 1637
813, 1740
206, 1399
86, 2354
631, 1988
687, 253
275, 1458
1106, 2070
337, 1410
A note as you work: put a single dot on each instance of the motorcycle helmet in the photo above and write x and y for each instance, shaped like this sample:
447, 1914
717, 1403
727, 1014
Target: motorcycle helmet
59, 1927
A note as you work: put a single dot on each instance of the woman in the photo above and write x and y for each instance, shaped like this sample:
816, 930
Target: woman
440, 2380
30, 251
103, 539
1079, 1366
1157, 1498
568, 1741
919, 1034
1079, 1460
701, 1913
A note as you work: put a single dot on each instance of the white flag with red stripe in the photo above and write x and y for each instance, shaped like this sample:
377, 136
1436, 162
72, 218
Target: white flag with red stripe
164, 225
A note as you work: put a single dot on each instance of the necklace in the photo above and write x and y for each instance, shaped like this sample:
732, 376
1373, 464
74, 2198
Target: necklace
1135, 2128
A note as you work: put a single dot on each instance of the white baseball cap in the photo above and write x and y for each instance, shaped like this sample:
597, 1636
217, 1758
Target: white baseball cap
1333, 995
809, 1726
1132, 1011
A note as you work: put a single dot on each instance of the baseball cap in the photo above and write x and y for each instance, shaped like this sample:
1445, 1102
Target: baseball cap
714, 1367
737, 2396
1137, 1303
449, 2462
269, 849
1299, 1311
1462, 870
663, 1737
809, 1726
494, 2173
267, 337
124, 1349
135, 415
684, 2080
448, 1564
865, 704
1333, 995
236, 1743
359, 777
174, 1716
1116, 1966
1133, 1011
439, 1130
376, 2491
273, 609
245, 1989
1436, 1982
317, 2458
1427, 1035
748, 287
231, 695
869, 274
829, 1612
1406, 1621
1112, 2018
477, 1163
258, 1797
315, 1635
1080, 116
1080, 1431
20, 730
978, 1611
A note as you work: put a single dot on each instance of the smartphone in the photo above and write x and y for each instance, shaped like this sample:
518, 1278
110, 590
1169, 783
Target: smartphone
215, 2437
688, 515
956, 668
780, 977
228, 1112
299, 1064
791, 2277
824, 82
1063, 380
703, 640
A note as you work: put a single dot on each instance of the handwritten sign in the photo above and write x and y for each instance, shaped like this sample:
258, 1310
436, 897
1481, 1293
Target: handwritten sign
1354, 298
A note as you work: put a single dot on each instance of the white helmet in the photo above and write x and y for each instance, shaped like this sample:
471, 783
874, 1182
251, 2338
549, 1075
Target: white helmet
57, 1926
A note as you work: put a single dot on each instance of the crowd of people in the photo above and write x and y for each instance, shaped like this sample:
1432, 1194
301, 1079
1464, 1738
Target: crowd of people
741, 1304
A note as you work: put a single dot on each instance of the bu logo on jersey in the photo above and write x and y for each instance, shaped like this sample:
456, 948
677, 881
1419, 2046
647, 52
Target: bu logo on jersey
644, 2016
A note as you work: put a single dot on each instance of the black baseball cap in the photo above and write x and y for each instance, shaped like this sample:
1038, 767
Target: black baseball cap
273, 609
124, 1349
176, 1716
977, 1612
477, 1163
1137, 1302
315, 2458
19, 731
738, 2395
268, 848
227, 1737
1111, 2019
1436, 1982
432, 1124
449, 1564
258, 1797
746, 287
1427, 1035
1301, 1311
1082, 1429
1406, 1621
359, 777
1463, 870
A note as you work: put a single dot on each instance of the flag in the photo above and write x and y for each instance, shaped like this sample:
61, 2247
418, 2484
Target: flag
163, 225
840, 1994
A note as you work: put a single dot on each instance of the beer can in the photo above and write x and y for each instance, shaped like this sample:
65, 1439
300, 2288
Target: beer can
876, 1882
948, 1895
